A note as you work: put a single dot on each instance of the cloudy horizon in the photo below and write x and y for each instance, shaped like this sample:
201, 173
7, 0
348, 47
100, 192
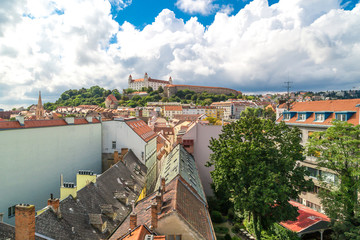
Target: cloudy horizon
56, 45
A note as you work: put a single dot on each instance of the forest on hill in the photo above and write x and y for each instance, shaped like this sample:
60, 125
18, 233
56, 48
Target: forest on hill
96, 95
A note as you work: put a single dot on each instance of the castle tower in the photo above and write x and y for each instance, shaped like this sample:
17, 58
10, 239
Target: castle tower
129, 79
146, 80
170, 80
39, 112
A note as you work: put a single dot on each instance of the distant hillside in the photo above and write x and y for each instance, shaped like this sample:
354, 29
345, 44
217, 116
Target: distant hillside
96, 95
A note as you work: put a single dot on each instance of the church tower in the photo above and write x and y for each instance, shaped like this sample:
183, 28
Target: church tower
39, 112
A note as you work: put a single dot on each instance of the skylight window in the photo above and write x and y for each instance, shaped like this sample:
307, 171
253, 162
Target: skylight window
341, 117
301, 117
319, 117
287, 116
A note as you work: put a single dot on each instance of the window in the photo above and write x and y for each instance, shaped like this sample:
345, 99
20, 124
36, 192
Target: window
287, 116
11, 211
113, 144
341, 116
313, 206
329, 177
313, 172
319, 117
301, 117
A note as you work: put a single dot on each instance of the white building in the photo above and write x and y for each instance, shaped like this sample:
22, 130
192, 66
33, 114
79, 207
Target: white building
138, 84
35, 153
170, 111
133, 134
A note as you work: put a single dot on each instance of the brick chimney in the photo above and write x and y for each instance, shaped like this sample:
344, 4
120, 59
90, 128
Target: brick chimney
158, 199
162, 185
116, 157
133, 220
1, 217
154, 216
55, 204
24, 222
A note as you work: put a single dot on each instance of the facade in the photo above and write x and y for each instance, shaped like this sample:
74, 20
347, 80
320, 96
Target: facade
226, 108
312, 117
196, 141
171, 90
170, 111
35, 153
132, 134
111, 102
138, 84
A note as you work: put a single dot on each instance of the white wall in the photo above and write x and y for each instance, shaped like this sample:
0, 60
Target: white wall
32, 159
124, 136
201, 134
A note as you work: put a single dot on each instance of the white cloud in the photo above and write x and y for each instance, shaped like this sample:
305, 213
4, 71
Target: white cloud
56, 45
121, 4
204, 7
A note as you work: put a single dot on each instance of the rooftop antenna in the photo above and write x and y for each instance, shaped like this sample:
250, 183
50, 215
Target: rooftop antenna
288, 86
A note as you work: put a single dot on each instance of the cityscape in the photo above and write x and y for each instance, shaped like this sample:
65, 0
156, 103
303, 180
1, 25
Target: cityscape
114, 126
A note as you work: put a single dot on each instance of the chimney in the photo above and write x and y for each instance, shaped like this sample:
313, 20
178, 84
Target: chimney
133, 220
54, 203
154, 216
20, 119
159, 199
1, 217
70, 120
162, 185
124, 151
24, 222
89, 119
116, 157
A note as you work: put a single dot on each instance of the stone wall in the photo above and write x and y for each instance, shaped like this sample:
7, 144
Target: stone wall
171, 90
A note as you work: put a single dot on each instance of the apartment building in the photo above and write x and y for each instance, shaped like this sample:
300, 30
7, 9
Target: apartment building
312, 117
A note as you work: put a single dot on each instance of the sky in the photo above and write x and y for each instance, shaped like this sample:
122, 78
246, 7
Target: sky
248, 45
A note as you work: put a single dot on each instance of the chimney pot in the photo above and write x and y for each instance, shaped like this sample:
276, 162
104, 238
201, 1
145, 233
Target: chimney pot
163, 185
158, 199
24, 222
116, 157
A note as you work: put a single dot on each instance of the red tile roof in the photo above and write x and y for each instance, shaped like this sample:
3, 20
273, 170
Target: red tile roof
151, 80
80, 121
9, 124
324, 106
173, 108
141, 129
178, 199
307, 217
2, 119
111, 97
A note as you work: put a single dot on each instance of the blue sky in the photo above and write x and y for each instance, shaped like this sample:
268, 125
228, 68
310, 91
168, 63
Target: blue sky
251, 46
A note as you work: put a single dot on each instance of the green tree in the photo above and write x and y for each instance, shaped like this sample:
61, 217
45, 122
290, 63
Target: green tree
338, 149
256, 161
160, 89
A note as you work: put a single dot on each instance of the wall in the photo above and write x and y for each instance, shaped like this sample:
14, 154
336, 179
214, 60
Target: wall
171, 90
124, 136
201, 134
32, 160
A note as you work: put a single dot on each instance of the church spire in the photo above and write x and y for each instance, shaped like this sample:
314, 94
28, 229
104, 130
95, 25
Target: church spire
39, 112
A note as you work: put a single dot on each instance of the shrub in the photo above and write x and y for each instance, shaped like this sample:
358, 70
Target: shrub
216, 217
227, 237
236, 228
221, 230
231, 214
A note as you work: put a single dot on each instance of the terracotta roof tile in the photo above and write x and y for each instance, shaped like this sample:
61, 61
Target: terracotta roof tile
111, 97
331, 106
45, 123
307, 217
151, 80
80, 121
9, 124
173, 108
141, 129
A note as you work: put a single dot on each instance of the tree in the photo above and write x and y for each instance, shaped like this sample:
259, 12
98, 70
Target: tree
160, 89
337, 149
256, 161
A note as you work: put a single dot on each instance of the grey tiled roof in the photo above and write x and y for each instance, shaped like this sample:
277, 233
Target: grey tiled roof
8, 232
97, 203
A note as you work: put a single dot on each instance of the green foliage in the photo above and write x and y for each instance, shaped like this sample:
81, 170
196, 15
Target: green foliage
216, 217
221, 230
258, 112
236, 228
337, 149
12, 119
227, 236
255, 160
160, 89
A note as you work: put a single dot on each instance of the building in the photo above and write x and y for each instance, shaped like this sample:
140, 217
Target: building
35, 153
312, 117
138, 84
171, 89
39, 112
133, 134
196, 141
111, 102
94, 213
170, 111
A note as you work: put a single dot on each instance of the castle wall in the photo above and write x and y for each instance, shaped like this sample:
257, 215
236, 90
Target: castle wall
171, 90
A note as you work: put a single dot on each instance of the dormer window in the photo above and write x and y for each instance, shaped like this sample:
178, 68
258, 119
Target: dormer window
301, 117
287, 116
319, 117
341, 117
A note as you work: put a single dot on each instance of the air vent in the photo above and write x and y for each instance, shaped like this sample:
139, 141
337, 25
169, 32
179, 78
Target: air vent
149, 237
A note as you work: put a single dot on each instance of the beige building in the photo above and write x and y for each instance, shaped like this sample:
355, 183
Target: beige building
312, 117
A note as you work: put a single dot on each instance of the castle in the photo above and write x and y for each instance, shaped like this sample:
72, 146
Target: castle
138, 84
